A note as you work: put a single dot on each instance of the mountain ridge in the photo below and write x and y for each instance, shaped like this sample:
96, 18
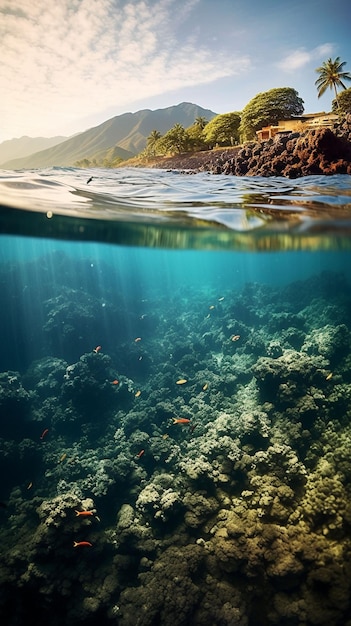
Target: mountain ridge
10, 148
128, 132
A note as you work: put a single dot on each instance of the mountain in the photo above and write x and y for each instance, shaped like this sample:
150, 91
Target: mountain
24, 146
128, 132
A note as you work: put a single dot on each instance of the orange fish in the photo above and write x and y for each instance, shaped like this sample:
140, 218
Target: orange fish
180, 420
44, 433
137, 393
84, 513
140, 454
115, 382
235, 337
137, 339
78, 544
181, 381
97, 349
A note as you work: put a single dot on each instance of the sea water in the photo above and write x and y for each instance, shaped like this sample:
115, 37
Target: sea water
142, 298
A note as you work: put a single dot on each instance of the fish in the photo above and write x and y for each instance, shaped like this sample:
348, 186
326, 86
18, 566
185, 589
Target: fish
63, 457
180, 420
115, 382
30, 485
165, 436
330, 375
181, 381
79, 544
84, 513
212, 307
140, 454
221, 299
235, 337
205, 387
90, 179
137, 393
44, 433
137, 339
97, 349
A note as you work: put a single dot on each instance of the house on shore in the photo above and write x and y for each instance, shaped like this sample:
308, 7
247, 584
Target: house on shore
298, 124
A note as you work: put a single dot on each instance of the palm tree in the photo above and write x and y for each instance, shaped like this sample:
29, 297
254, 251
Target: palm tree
201, 122
331, 76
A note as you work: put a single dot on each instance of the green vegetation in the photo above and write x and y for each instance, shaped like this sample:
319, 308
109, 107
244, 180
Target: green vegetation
223, 129
268, 108
331, 76
105, 158
342, 104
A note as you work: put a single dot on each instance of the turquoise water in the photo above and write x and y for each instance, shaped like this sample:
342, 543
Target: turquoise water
140, 300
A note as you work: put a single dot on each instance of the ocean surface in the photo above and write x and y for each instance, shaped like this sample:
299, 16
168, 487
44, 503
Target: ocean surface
175, 388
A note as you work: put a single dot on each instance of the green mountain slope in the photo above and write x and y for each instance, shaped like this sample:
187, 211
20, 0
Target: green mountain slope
128, 131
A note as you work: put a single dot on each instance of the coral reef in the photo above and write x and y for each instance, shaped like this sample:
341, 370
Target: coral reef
131, 499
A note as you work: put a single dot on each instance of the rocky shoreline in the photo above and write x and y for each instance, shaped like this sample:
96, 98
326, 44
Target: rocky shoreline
313, 152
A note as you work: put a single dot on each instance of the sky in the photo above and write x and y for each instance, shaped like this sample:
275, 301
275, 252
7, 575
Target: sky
69, 65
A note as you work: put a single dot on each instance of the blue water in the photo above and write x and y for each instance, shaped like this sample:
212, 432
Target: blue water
152, 296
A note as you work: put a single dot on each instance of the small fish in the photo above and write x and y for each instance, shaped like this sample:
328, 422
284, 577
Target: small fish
84, 513
221, 299
330, 375
137, 339
79, 544
165, 436
44, 433
97, 349
89, 180
140, 454
137, 393
235, 337
63, 457
140, 358
212, 307
181, 381
30, 485
180, 420
115, 382
205, 387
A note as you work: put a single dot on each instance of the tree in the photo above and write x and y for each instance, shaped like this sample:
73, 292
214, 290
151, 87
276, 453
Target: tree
268, 108
331, 76
201, 122
342, 104
222, 129
196, 138
176, 139
152, 141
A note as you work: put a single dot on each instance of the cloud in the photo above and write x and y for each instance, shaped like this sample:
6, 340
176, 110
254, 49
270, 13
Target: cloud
301, 57
65, 60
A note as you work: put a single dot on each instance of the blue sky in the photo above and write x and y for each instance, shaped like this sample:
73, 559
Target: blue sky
67, 65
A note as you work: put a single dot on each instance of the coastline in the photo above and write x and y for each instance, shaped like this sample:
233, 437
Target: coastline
313, 152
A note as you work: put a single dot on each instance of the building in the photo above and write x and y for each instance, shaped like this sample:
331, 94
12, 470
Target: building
299, 124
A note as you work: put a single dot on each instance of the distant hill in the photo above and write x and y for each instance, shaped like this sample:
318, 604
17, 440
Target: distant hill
24, 146
128, 132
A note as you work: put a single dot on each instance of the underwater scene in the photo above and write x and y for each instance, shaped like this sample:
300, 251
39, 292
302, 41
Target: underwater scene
175, 433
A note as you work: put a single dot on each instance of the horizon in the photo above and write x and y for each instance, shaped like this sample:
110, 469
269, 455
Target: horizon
151, 54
